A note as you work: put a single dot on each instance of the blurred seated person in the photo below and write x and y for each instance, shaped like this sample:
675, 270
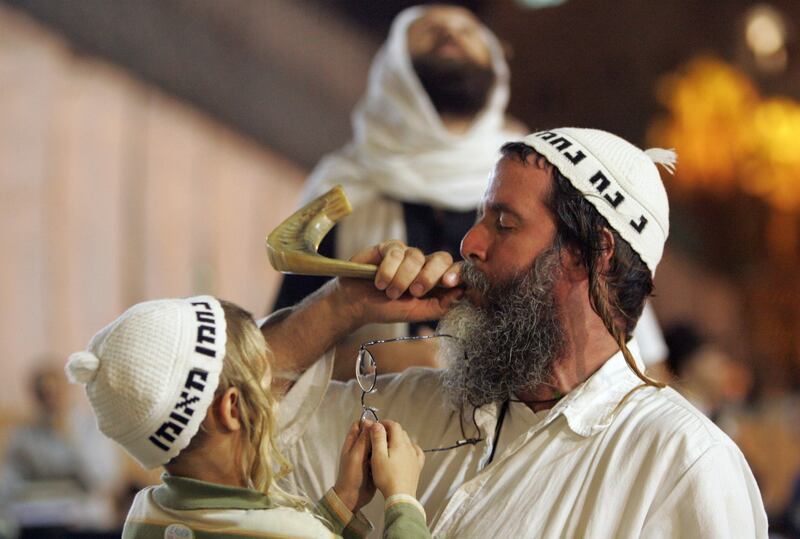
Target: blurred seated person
426, 136
58, 474
703, 372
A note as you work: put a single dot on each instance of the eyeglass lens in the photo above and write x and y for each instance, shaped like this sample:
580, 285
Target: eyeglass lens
369, 414
367, 375
366, 370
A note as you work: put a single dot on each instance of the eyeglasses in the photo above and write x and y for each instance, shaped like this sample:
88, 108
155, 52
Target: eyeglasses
367, 378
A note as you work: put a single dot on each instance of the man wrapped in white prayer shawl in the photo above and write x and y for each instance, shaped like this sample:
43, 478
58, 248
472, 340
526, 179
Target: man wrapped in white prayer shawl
426, 136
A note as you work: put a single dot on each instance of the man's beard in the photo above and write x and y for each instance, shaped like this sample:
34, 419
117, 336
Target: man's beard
510, 342
455, 86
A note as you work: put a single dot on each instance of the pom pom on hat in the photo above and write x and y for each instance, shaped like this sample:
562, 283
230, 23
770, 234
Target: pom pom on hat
666, 158
82, 367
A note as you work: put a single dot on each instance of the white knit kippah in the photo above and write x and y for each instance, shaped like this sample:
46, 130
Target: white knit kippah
618, 179
151, 374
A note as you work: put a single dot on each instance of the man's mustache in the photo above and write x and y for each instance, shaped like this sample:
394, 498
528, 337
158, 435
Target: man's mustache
476, 284
472, 277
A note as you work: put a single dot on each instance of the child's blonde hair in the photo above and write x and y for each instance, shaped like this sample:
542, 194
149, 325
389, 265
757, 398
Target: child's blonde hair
247, 367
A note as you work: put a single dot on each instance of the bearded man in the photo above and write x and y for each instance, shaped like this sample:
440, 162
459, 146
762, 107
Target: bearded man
425, 137
543, 425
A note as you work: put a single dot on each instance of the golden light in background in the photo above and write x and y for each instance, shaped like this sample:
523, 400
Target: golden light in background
773, 170
765, 35
738, 184
728, 137
708, 103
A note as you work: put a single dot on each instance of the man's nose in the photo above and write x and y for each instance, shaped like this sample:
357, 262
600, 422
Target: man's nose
444, 32
474, 244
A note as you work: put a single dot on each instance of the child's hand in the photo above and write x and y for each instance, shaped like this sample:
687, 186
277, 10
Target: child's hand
396, 462
354, 485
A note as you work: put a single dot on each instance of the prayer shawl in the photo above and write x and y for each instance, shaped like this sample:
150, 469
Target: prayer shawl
401, 151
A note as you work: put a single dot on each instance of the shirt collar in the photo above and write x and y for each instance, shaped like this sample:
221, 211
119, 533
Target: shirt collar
591, 406
183, 493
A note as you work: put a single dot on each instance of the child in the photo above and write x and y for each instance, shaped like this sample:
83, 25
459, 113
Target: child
184, 384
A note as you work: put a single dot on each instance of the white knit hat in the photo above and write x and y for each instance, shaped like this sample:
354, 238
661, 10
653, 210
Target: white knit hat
618, 179
151, 374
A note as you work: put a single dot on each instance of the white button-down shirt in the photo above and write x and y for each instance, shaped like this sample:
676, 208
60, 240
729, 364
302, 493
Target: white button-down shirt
610, 459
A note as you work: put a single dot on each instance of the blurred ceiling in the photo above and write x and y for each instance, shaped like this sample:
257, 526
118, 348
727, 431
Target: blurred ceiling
287, 73
277, 71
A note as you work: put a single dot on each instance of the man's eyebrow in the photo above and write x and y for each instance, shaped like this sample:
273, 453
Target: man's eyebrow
502, 207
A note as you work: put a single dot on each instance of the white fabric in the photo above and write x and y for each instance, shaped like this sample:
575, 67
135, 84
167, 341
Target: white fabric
151, 374
650, 337
592, 466
618, 179
402, 151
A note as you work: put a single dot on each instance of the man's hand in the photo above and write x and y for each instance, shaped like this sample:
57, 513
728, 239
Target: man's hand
396, 460
354, 485
408, 286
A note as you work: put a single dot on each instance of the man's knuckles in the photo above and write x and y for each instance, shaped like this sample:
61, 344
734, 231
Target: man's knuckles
440, 258
415, 255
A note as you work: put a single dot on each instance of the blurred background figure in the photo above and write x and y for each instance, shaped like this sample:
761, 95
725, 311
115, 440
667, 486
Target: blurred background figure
426, 135
59, 474
704, 373
793, 510
765, 423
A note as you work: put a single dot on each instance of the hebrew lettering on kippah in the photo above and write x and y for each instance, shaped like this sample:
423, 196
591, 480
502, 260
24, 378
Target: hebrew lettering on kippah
616, 200
600, 179
181, 418
194, 386
205, 316
158, 443
206, 330
576, 157
561, 143
191, 379
205, 351
206, 334
187, 400
163, 438
638, 227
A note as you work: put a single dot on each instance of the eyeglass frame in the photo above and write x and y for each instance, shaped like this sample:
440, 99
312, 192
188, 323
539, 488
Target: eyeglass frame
366, 411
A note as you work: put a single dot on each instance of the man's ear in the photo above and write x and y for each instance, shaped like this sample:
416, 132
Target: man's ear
607, 245
572, 261
228, 410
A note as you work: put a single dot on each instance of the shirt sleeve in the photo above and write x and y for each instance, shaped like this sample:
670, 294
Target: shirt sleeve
716, 496
344, 522
404, 519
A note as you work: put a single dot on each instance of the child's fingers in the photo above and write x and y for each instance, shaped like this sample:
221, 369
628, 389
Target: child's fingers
362, 444
350, 439
394, 432
405, 439
380, 447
